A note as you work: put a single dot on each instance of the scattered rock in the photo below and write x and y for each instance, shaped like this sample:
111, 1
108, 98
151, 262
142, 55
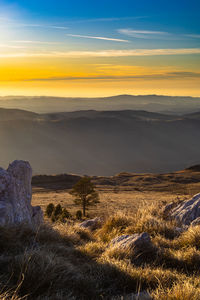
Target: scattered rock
16, 194
196, 222
180, 230
185, 212
133, 241
91, 224
168, 208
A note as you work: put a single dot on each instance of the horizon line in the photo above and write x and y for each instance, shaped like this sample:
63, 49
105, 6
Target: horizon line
96, 97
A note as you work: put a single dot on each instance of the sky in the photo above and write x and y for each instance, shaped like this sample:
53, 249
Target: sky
99, 48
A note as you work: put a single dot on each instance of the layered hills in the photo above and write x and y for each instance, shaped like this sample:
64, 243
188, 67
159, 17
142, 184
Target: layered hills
152, 103
100, 142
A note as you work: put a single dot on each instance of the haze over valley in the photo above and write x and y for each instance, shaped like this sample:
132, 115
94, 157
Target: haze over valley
100, 142
152, 103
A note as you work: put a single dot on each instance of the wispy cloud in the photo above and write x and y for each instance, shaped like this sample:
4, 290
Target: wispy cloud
43, 26
195, 36
36, 42
98, 38
57, 27
184, 74
143, 34
150, 34
130, 31
112, 19
161, 76
11, 23
11, 46
105, 53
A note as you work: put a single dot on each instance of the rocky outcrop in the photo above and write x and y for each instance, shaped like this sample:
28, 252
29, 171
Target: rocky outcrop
134, 241
186, 212
16, 194
91, 224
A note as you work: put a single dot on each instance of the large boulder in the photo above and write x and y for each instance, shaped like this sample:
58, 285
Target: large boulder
16, 194
186, 212
137, 241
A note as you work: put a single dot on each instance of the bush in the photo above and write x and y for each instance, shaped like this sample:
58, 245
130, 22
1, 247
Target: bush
56, 215
65, 215
53, 218
79, 214
58, 211
49, 210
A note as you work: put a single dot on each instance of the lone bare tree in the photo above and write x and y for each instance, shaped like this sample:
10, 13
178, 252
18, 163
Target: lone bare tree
84, 191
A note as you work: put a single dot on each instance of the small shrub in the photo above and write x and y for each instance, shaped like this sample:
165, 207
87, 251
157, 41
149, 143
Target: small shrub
65, 215
57, 213
49, 210
53, 218
58, 210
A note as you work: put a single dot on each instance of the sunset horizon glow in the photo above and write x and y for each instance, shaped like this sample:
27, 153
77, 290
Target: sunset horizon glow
99, 49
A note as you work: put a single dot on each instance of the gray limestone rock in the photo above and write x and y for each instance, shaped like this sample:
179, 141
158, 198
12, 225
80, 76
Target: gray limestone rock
91, 224
187, 211
133, 241
16, 194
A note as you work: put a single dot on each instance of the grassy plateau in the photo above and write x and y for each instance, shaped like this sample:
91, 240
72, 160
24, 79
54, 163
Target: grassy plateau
64, 261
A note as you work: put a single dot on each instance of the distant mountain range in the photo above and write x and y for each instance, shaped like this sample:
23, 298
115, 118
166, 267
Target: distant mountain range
100, 142
153, 103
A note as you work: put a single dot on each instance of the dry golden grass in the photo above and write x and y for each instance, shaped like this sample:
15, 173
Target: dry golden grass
63, 261
110, 202
187, 290
190, 238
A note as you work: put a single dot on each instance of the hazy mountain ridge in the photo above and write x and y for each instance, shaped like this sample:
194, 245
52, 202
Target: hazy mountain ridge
100, 142
152, 103
16, 114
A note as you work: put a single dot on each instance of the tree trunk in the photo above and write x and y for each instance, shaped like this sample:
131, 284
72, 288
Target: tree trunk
84, 207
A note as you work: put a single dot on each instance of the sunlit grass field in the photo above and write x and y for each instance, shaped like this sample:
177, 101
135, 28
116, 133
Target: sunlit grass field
110, 202
65, 261
61, 261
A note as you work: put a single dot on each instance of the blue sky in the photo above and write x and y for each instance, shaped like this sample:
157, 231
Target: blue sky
140, 37
106, 8
175, 18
